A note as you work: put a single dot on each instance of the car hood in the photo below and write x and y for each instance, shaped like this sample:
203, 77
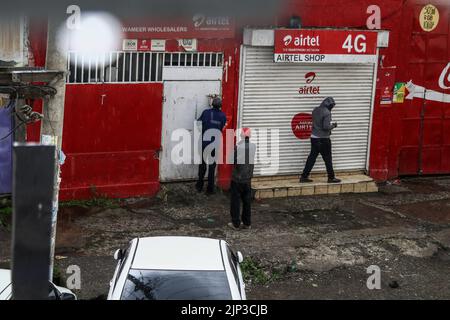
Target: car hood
6, 288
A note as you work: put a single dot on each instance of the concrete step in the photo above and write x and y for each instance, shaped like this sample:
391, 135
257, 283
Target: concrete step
290, 187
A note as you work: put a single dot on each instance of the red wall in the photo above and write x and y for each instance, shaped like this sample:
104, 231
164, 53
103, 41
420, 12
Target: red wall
398, 142
112, 149
111, 136
422, 127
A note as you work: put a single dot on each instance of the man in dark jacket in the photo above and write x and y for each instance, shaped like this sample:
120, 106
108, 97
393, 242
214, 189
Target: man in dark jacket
320, 140
244, 162
212, 118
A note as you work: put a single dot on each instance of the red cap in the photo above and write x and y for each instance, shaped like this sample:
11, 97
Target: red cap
246, 132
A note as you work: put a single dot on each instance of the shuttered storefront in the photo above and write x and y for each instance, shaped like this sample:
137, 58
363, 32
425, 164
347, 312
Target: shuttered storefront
270, 98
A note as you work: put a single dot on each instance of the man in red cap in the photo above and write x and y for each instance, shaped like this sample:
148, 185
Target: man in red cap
241, 189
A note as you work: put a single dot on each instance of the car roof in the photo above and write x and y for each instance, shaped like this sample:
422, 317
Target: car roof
178, 253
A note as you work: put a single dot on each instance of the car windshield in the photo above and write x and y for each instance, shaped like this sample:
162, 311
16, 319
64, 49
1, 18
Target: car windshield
176, 285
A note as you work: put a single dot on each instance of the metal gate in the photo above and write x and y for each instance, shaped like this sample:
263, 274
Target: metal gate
188, 87
272, 94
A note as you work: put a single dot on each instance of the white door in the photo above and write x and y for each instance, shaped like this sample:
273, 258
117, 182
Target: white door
184, 103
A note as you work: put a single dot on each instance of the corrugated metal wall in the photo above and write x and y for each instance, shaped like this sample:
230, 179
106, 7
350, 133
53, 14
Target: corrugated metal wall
270, 99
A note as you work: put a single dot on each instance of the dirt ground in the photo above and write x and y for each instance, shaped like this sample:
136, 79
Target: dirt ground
311, 247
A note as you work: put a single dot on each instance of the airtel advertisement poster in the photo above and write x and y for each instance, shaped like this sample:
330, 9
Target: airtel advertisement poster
301, 125
325, 46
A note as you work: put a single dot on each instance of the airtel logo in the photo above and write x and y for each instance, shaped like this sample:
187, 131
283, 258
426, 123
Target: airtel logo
202, 20
444, 79
198, 20
310, 76
287, 40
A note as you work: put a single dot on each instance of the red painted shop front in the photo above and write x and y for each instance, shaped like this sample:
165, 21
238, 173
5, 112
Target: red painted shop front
112, 151
411, 136
113, 130
424, 128
113, 121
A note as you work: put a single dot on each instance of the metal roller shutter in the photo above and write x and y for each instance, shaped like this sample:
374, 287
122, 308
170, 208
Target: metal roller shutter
269, 98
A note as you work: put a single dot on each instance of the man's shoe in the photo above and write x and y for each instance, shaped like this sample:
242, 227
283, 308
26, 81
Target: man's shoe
210, 192
232, 226
304, 180
244, 226
334, 180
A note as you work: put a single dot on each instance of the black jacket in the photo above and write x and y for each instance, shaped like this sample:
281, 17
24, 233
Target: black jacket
244, 161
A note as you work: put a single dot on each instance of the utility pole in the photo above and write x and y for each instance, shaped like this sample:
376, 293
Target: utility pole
32, 209
52, 123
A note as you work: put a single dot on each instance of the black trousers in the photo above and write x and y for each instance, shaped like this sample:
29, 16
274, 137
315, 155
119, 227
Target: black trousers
211, 173
320, 146
241, 192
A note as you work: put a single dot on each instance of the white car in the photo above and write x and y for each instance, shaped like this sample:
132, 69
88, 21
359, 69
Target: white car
55, 292
177, 268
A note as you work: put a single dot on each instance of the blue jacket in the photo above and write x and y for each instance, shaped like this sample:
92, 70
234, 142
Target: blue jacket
212, 119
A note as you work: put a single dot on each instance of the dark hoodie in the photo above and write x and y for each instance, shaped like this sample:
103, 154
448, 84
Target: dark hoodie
244, 161
322, 119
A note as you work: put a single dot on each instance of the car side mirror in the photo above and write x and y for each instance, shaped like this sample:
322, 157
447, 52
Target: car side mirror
240, 257
53, 293
67, 296
118, 255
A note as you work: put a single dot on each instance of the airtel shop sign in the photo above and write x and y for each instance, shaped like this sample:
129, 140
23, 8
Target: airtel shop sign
325, 46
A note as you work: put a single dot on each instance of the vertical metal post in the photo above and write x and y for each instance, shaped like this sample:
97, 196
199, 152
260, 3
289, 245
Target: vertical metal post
20, 134
124, 60
421, 133
75, 68
137, 66
143, 67
117, 67
52, 124
33, 183
110, 67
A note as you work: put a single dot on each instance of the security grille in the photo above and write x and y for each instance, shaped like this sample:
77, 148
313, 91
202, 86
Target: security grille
133, 67
203, 59
270, 98
115, 67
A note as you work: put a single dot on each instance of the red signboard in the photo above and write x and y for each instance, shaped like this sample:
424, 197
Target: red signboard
325, 46
199, 26
386, 81
144, 45
301, 125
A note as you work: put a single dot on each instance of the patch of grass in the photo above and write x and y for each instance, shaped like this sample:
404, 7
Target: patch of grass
5, 213
253, 271
57, 276
95, 202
